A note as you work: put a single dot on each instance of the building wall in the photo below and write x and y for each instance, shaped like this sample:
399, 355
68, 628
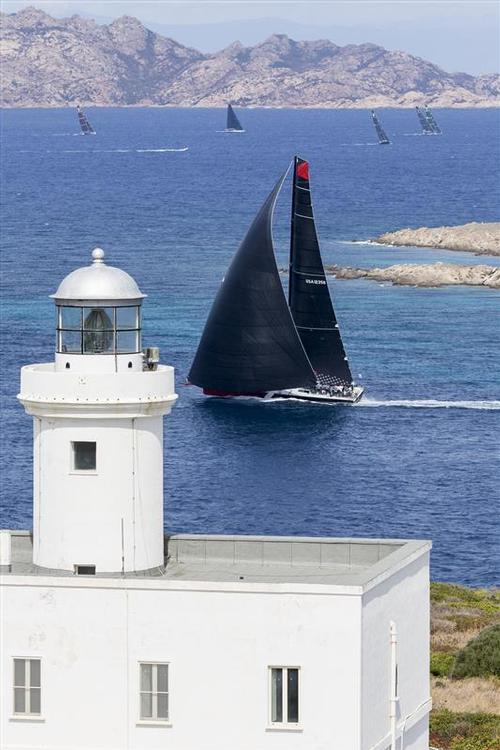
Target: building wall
404, 599
78, 516
91, 637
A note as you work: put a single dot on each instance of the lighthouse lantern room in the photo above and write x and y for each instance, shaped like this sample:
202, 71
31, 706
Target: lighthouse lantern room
98, 430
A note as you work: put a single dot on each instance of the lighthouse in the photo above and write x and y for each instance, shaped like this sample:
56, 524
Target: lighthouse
98, 430
116, 636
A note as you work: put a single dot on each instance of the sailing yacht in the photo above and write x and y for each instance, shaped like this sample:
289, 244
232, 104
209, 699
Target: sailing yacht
432, 121
255, 341
382, 135
233, 125
85, 125
424, 122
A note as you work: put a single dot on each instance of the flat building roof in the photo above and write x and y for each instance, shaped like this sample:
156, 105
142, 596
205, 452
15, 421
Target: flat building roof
223, 559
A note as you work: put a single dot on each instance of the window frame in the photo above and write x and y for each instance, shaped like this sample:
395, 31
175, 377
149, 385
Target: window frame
115, 330
285, 724
27, 714
73, 469
154, 719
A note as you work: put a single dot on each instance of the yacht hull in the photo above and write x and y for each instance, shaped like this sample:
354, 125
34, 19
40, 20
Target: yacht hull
305, 394
297, 394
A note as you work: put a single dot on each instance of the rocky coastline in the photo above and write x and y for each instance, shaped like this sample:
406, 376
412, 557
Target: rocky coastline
56, 62
424, 275
477, 238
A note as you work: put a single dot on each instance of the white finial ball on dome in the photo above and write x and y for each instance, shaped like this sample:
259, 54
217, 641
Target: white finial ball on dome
98, 255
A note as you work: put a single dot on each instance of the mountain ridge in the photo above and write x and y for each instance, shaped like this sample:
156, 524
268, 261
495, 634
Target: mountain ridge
52, 62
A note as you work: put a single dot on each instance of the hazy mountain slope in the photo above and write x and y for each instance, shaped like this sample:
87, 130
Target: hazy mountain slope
52, 62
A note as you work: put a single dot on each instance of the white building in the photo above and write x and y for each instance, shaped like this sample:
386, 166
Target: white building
113, 636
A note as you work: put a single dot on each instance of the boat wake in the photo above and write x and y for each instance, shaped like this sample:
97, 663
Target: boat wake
118, 151
430, 404
160, 150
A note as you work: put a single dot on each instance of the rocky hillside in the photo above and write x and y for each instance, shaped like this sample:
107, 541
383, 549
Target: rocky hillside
54, 62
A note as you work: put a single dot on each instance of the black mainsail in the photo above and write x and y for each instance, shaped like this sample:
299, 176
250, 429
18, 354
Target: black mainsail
424, 122
309, 297
382, 135
432, 121
232, 122
250, 345
85, 125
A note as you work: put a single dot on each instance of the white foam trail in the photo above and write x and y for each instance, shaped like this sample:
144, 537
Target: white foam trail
430, 404
123, 151
374, 403
160, 150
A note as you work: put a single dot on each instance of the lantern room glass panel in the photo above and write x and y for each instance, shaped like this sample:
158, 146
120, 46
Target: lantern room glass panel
127, 318
98, 330
127, 342
70, 318
70, 342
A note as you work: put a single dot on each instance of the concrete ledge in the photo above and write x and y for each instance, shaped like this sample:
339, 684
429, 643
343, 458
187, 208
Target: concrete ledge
241, 563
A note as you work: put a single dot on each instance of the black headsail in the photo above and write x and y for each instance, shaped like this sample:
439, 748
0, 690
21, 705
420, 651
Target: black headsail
85, 125
309, 297
382, 135
232, 121
250, 344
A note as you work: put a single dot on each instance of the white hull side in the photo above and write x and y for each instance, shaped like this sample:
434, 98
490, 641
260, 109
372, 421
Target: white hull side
305, 394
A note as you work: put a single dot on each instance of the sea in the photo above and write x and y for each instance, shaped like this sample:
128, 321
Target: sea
169, 197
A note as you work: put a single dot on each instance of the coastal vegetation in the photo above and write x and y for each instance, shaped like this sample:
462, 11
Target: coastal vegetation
465, 667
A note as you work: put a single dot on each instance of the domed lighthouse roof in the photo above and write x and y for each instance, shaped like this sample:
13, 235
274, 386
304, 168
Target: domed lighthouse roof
98, 282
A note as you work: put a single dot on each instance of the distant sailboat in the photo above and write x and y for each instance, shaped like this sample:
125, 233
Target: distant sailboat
233, 125
424, 122
255, 343
432, 122
85, 125
382, 135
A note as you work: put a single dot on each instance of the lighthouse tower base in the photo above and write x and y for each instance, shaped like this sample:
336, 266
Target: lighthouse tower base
98, 467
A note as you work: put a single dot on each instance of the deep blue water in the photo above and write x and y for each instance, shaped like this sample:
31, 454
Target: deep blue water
406, 462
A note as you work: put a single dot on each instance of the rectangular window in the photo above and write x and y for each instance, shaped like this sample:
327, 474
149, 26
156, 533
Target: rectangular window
284, 695
70, 318
70, 342
83, 456
154, 692
27, 687
127, 341
127, 317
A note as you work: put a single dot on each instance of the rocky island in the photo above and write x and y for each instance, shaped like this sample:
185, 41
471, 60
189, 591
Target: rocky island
56, 62
477, 238
424, 275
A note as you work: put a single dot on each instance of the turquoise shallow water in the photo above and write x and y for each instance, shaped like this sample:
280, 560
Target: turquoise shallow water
418, 457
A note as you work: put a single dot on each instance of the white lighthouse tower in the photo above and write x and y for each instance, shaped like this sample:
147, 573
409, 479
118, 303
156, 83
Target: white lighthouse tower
98, 430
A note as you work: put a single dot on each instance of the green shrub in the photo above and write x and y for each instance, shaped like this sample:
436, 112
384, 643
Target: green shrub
441, 663
455, 731
487, 600
480, 657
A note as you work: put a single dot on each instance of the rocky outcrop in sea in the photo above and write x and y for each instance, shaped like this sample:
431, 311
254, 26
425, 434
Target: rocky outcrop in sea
424, 275
477, 238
